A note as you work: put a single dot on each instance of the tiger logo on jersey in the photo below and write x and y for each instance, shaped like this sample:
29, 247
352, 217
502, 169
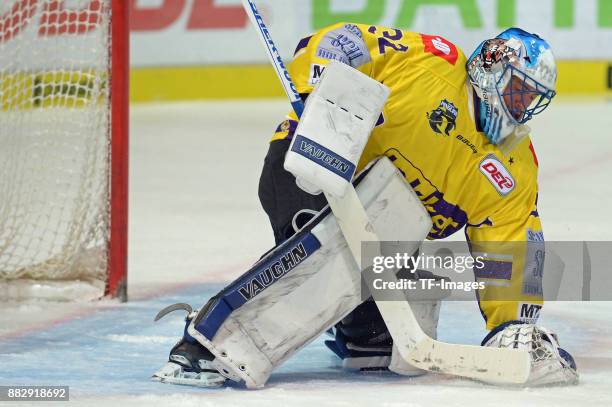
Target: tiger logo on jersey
442, 119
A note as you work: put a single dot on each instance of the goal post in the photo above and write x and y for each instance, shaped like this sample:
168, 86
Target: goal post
64, 87
119, 95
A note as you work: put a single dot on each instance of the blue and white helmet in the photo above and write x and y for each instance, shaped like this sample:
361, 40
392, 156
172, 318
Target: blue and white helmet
506, 104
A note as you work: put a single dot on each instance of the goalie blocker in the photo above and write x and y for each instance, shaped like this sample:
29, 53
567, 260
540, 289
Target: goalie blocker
334, 129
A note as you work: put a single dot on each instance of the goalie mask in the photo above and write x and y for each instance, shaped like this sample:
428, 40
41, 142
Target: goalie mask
514, 76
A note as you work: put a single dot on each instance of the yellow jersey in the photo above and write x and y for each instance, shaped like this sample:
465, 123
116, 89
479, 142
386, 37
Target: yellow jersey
428, 129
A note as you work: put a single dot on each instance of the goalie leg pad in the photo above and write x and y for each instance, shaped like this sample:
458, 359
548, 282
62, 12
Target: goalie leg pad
304, 285
363, 341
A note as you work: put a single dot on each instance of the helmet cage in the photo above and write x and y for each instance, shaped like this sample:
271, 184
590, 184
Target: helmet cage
529, 86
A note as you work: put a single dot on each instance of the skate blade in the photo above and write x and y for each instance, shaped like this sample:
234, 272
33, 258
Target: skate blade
174, 374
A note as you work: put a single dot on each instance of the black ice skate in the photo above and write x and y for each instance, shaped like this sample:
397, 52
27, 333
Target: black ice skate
189, 362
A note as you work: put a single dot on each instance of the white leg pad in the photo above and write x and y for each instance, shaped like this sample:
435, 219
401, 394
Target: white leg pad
315, 287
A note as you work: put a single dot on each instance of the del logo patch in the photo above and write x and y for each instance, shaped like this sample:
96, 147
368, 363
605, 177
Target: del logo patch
499, 176
440, 47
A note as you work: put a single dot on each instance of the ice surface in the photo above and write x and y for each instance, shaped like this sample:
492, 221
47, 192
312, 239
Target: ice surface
195, 223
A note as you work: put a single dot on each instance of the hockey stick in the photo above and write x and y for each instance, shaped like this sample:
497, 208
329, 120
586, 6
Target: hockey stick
493, 365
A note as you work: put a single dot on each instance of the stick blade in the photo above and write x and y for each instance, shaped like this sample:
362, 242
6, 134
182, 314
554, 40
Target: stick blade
489, 365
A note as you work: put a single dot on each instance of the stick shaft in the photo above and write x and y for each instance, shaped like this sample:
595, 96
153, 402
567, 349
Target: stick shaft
274, 56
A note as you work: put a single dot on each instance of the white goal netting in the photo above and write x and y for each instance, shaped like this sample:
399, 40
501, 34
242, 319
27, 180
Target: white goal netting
54, 145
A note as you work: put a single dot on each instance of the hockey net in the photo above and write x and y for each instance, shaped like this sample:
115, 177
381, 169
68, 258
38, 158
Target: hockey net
63, 148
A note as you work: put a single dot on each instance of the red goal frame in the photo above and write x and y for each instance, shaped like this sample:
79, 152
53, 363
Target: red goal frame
116, 284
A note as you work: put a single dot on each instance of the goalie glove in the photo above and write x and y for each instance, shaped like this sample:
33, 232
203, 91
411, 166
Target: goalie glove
550, 364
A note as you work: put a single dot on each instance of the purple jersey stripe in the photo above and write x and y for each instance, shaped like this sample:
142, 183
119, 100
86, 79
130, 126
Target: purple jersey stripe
289, 126
500, 270
302, 44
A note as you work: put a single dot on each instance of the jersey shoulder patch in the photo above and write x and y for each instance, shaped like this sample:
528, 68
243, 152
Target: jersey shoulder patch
440, 47
345, 44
